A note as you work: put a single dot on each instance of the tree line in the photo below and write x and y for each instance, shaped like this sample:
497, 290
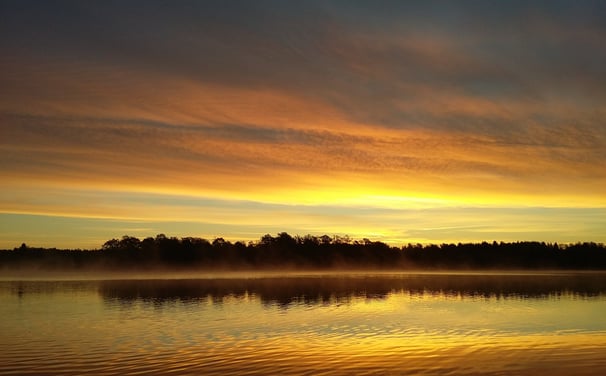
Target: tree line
284, 250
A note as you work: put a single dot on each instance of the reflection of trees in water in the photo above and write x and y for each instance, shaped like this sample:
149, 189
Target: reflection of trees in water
270, 291
341, 290
26, 288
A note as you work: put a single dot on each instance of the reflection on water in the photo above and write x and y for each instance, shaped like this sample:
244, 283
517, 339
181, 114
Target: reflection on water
341, 289
343, 324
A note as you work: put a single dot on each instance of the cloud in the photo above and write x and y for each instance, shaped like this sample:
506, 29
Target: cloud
348, 103
465, 67
240, 160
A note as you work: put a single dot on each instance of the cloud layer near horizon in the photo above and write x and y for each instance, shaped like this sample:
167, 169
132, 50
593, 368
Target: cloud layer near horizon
338, 106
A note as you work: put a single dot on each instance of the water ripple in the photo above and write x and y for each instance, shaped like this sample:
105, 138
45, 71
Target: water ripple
84, 329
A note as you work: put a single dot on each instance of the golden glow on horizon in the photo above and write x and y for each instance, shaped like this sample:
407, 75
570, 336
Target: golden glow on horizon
318, 166
326, 117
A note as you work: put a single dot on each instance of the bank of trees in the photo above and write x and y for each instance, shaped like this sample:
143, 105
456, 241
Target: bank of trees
284, 250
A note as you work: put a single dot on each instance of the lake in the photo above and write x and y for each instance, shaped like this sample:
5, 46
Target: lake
306, 323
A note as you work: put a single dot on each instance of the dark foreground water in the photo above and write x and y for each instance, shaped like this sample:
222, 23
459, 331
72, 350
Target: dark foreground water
295, 324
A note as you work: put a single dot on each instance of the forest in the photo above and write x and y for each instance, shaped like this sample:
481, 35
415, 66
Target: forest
306, 252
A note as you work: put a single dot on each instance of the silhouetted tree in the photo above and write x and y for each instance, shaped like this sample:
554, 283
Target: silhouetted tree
311, 251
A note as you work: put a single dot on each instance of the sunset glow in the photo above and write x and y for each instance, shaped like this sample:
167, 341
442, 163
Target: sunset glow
400, 122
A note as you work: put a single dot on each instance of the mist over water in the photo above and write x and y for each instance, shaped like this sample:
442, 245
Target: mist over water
307, 323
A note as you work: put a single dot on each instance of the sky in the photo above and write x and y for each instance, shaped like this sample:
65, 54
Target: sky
397, 121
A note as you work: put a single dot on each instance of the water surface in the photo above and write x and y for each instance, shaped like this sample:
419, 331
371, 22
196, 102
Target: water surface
409, 323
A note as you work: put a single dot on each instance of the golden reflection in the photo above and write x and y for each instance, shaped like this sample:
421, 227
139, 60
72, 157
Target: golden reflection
461, 355
340, 324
